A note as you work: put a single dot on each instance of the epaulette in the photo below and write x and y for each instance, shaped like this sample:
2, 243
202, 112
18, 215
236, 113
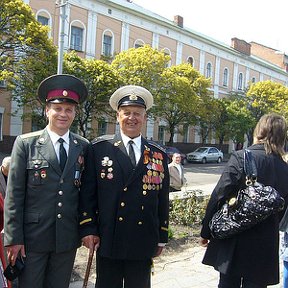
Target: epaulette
81, 138
31, 134
156, 145
102, 138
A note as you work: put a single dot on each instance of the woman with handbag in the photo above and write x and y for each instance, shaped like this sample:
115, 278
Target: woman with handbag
250, 259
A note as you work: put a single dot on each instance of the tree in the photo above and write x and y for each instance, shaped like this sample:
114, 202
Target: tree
27, 55
140, 66
181, 89
101, 82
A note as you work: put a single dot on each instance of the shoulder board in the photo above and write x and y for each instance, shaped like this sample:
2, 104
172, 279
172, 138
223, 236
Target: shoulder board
80, 137
156, 145
102, 138
31, 134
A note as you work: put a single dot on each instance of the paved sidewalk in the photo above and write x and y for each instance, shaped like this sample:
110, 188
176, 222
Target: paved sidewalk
183, 270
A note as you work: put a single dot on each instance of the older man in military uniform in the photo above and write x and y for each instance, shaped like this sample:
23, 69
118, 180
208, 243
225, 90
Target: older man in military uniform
124, 198
41, 204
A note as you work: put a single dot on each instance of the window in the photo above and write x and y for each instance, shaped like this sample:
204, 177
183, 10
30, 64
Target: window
43, 20
2, 84
76, 38
107, 45
190, 61
185, 133
161, 130
1, 128
167, 52
253, 80
209, 70
139, 43
240, 81
225, 77
102, 127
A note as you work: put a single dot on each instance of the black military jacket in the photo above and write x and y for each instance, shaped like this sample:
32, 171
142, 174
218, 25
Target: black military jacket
127, 207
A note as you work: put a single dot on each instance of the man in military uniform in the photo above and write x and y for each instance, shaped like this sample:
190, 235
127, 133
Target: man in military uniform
125, 196
41, 204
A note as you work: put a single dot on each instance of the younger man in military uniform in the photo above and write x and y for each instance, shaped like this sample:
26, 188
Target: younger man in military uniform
125, 196
41, 204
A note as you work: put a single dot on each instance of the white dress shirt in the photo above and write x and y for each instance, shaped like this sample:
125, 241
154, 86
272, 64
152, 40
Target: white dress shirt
55, 137
136, 145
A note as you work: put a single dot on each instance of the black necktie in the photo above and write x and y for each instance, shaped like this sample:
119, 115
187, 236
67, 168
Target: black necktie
62, 154
131, 153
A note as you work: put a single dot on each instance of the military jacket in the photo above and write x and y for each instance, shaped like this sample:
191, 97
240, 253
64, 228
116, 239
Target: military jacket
127, 207
41, 204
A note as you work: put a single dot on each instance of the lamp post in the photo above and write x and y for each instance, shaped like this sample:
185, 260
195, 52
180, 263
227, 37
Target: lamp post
63, 17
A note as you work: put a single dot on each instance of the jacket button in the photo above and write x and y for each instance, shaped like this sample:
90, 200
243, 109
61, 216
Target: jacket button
60, 192
125, 189
142, 207
140, 223
144, 193
122, 204
59, 216
120, 219
60, 204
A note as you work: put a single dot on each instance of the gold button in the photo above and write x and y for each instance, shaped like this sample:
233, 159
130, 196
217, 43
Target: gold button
140, 223
125, 189
120, 219
122, 204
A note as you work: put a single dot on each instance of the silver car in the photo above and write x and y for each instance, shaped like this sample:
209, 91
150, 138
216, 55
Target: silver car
205, 154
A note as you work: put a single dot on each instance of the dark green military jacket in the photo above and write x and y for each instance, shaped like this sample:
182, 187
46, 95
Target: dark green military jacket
41, 204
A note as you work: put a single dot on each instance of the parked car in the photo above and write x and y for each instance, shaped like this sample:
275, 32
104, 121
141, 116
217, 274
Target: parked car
171, 150
205, 154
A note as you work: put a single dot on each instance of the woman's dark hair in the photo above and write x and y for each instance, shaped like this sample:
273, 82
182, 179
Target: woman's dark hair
271, 130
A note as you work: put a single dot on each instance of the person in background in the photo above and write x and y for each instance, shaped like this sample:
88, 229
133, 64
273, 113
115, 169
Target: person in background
250, 259
4, 171
176, 171
124, 204
41, 204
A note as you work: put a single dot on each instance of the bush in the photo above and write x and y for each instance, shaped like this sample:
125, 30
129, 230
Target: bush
189, 209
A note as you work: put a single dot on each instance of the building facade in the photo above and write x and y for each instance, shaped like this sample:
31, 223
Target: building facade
106, 27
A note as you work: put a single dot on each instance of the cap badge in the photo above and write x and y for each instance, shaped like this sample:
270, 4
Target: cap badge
65, 93
133, 97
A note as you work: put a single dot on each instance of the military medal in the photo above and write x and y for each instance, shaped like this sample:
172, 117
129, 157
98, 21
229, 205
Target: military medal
110, 176
42, 174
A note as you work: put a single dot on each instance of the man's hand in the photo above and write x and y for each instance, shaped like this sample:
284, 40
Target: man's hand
159, 251
203, 242
13, 252
91, 242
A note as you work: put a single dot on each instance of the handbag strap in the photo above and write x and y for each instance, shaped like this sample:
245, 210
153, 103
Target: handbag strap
250, 166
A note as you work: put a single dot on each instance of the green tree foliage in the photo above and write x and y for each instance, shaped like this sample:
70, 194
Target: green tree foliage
27, 55
140, 66
178, 99
101, 82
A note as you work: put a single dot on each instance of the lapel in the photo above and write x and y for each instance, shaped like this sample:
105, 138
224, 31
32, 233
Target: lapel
75, 149
122, 156
140, 165
46, 149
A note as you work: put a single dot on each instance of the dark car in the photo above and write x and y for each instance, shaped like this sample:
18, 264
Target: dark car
171, 150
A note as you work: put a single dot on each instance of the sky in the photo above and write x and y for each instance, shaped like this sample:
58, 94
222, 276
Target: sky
249, 20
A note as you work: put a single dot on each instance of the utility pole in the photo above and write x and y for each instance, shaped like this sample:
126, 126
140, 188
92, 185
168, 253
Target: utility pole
63, 18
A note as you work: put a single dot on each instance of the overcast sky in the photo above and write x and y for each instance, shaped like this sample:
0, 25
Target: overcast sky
250, 20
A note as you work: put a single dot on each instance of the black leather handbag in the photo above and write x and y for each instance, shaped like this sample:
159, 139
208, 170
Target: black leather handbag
250, 206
